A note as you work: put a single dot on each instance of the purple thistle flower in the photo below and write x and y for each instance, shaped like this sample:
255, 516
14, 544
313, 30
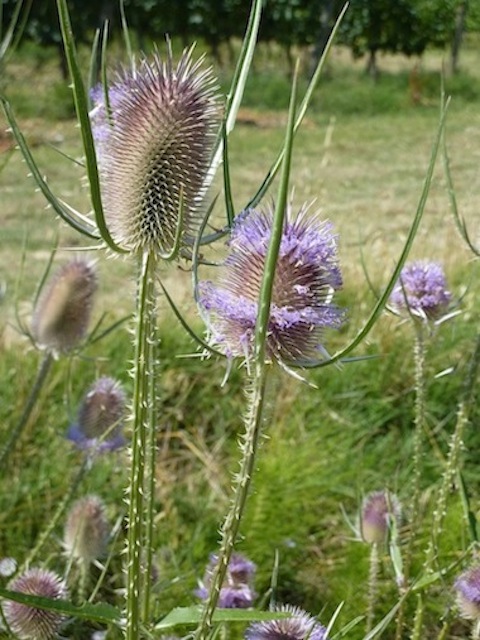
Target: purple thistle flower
62, 314
237, 591
422, 290
86, 530
100, 417
26, 621
307, 274
379, 508
154, 149
467, 586
299, 626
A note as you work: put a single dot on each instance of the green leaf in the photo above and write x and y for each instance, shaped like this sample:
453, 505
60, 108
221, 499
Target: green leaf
81, 108
100, 612
192, 615
59, 208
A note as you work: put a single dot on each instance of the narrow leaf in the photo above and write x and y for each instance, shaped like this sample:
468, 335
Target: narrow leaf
192, 615
58, 207
100, 612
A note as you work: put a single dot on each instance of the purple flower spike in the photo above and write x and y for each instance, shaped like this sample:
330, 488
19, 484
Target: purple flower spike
421, 290
154, 145
378, 509
237, 591
467, 586
299, 626
28, 622
100, 418
307, 274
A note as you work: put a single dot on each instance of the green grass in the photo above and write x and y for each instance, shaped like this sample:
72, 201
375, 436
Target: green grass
363, 154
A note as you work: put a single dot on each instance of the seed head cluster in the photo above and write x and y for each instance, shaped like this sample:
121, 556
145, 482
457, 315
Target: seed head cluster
154, 144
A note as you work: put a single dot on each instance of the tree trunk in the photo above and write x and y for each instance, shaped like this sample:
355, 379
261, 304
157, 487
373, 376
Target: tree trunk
372, 67
460, 21
326, 12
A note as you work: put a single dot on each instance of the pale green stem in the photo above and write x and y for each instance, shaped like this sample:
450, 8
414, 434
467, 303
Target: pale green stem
141, 404
372, 586
443, 631
55, 519
16, 432
476, 631
419, 421
84, 568
151, 458
418, 620
232, 522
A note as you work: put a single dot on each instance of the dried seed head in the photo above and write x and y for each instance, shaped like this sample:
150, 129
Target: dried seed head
299, 626
154, 150
237, 590
421, 290
379, 508
62, 314
100, 417
28, 622
307, 274
86, 530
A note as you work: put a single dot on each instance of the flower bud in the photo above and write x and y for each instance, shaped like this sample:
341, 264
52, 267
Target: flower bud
86, 530
378, 510
467, 586
62, 313
28, 622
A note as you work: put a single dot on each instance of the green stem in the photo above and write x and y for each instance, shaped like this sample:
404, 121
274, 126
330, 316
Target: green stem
31, 401
372, 586
419, 423
55, 519
418, 619
232, 522
141, 404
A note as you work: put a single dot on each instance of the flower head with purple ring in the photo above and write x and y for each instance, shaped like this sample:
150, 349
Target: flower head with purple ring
29, 622
154, 143
422, 291
467, 586
379, 508
300, 625
306, 276
100, 418
237, 591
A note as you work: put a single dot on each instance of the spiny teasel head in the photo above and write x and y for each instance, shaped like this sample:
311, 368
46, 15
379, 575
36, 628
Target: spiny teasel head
86, 530
62, 314
300, 625
421, 291
26, 621
154, 148
100, 418
467, 587
306, 276
237, 589
379, 510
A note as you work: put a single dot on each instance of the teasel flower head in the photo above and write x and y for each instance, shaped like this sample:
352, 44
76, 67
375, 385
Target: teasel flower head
379, 509
467, 586
62, 314
421, 291
237, 590
86, 530
300, 625
154, 144
26, 621
306, 276
100, 418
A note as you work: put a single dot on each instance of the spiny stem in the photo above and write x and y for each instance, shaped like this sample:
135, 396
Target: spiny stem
419, 421
233, 519
418, 620
141, 404
31, 401
372, 586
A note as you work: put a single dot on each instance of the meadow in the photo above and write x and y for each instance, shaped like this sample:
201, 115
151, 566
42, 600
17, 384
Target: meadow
361, 156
